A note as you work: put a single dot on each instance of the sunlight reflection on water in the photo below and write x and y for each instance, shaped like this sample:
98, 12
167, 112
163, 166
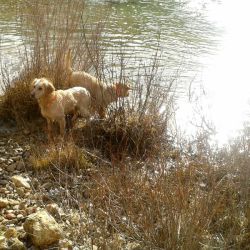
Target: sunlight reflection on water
226, 78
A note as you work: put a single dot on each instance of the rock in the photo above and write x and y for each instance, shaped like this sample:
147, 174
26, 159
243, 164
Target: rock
19, 216
2, 160
20, 165
3, 182
19, 181
3, 243
2, 150
10, 216
13, 202
11, 167
42, 229
15, 244
3, 203
16, 158
10, 161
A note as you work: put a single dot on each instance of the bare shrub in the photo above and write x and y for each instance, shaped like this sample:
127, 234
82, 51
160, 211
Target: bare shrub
119, 136
49, 28
191, 207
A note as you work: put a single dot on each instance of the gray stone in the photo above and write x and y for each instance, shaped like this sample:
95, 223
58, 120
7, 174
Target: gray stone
20, 165
16, 158
20, 181
2, 160
11, 168
3, 182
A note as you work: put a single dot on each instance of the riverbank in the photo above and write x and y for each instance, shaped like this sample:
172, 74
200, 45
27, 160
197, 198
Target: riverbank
202, 201
123, 182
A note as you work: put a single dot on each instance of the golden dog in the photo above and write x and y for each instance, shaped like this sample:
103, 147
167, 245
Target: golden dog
101, 94
55, 104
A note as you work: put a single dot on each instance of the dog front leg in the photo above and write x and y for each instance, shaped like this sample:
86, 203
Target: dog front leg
102, 112
74, 118
62, 123
50, 134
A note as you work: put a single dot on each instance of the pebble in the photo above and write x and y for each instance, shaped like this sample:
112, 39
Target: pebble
2, 190
16, 158
10, 161
19, 201
3, 203
20, 216
11, 168
14, 202
16, 207
3, 182
20, 165
2, 160
10, 216
2, 150
20, 181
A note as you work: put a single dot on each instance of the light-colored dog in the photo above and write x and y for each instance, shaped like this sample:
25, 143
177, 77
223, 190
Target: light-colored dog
55, 104
101, 94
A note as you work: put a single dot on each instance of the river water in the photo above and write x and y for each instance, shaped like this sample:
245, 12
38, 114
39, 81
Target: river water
205, 41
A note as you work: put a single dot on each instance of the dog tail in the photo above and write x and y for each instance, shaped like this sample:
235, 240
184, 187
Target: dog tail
68, 62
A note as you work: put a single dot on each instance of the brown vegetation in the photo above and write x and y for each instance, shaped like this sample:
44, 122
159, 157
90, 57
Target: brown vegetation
123, 172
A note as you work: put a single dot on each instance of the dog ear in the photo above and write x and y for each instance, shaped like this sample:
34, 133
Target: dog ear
128, 86
124, 86
49, 87
32, 83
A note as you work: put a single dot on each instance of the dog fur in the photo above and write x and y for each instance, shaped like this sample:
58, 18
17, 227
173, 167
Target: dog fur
55, 104
101, 94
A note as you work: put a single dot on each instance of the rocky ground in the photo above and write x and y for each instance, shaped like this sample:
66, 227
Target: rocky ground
32, 215
21, 212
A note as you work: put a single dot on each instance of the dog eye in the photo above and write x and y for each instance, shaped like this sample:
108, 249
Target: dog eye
40, 88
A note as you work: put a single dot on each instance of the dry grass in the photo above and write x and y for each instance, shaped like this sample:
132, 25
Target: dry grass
195, 206
130, 181
68, 156
123, 135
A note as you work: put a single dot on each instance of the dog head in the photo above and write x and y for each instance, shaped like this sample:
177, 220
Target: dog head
41, 87
122, 90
